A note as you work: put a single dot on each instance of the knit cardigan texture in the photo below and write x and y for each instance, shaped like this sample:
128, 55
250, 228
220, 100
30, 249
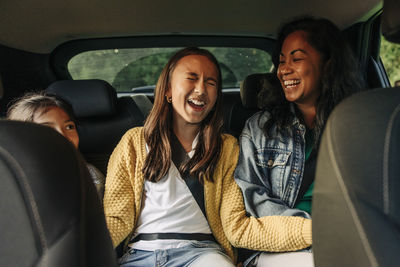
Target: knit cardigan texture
225, 211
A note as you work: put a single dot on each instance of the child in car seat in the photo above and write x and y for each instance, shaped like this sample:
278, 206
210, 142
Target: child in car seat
52, 111
170, 191
278, 146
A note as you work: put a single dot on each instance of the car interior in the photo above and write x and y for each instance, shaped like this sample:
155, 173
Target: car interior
50, 214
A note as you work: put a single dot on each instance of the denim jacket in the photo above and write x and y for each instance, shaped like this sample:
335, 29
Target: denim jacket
270, 170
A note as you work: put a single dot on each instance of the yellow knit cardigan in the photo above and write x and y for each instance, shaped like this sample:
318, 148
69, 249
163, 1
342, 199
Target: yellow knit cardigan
223, 201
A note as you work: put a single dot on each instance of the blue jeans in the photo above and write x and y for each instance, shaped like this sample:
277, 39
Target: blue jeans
298, 258
177, 257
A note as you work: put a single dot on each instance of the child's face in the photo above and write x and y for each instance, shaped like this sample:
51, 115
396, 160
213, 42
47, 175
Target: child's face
59, 120
193, 88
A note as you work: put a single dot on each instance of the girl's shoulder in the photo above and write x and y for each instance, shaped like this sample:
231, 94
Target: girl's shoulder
228, 138
229, 143
133, 132
134, 137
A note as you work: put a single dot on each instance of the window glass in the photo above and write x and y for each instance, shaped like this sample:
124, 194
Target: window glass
390, 55
137, 69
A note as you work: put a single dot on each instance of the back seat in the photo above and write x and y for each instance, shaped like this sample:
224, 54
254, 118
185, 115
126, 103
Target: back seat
46, 221
102, 117
237, 109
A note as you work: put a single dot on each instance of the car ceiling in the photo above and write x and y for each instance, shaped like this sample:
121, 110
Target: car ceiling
40, 26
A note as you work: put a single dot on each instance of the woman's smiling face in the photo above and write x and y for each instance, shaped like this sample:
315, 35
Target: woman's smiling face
299, 70
193, 88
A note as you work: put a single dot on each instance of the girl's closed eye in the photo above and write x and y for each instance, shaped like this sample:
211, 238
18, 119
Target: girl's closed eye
212, 83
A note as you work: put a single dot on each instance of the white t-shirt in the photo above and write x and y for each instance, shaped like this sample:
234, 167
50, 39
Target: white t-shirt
168, 206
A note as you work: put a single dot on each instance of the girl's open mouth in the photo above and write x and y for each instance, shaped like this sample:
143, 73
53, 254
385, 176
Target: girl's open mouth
196, 104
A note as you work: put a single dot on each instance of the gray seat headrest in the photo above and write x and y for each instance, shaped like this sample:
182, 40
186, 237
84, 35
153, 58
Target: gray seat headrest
88, 98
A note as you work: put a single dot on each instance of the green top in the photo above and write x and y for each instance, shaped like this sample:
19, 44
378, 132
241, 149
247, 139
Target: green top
305, 202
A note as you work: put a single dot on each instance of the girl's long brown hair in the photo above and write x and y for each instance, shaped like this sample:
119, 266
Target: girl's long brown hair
158, 128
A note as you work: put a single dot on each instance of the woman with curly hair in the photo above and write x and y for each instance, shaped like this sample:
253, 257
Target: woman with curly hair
278, 146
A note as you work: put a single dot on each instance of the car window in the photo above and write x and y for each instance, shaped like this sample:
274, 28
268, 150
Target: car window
136, 70
390, 55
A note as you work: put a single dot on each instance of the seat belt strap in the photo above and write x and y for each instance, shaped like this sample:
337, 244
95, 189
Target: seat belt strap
180, 157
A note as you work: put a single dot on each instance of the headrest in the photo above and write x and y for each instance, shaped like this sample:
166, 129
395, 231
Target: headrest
88, 98
253, 84
48, 201
391, 20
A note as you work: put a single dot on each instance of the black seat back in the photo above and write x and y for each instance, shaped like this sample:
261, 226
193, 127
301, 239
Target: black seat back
50, 213
235, 114
102, 117
238, 109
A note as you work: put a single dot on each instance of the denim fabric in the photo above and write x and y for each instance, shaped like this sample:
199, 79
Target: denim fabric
270, 170
175, 257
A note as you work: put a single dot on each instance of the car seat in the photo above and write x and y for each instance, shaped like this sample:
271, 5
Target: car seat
50, 213
238, 110
102, 117
356, 205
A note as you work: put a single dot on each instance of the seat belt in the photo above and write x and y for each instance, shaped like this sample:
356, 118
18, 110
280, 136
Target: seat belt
143, 103
179, 157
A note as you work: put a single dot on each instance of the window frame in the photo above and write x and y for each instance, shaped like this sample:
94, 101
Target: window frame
60, 57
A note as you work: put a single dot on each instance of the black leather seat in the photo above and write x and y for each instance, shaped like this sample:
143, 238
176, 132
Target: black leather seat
238, 110
234, 114
50, 214
102, 117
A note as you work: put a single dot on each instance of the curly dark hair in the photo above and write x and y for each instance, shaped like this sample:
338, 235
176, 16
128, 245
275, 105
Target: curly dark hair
340, 74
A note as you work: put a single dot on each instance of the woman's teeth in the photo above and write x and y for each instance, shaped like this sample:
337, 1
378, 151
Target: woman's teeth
290, 83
